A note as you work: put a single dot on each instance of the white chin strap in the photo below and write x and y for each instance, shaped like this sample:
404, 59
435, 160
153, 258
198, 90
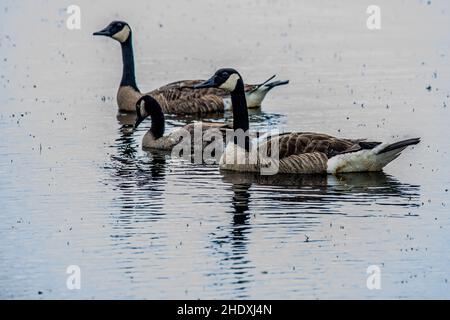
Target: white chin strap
122, 35
142, 110
231, 82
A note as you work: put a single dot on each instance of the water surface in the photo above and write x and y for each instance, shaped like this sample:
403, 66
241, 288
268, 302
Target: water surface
77, 189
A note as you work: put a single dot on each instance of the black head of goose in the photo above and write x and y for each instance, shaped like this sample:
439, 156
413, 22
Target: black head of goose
177, 97
148, 106
231, 81
298, 152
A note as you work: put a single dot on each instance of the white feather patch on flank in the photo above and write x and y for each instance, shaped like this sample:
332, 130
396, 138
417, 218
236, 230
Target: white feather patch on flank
352, 162
362, 161
123, 34
231, 82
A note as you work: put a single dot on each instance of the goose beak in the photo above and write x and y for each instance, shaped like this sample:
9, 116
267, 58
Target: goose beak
105, 32
211, 83
138, 122
139, 117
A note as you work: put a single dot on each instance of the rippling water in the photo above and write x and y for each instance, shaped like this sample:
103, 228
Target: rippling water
77, 189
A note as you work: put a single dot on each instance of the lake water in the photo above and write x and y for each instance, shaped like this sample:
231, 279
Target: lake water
77, 189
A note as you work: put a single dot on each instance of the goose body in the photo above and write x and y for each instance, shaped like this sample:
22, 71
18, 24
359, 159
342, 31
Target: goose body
174, 138
298, 152
155, 138
312, 153
177, 97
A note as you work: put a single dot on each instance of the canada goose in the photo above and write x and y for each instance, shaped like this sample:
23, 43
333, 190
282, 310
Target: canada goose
299, 152
177, 97
155, 138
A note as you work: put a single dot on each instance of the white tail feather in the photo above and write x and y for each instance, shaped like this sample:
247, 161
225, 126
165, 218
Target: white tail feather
254, 98
365, 160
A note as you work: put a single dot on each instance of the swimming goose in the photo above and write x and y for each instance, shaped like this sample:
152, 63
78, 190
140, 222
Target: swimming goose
299, 152
155, 138
177, 97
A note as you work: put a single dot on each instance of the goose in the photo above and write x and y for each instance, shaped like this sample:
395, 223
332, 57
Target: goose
177, 97
298, 152
155, 138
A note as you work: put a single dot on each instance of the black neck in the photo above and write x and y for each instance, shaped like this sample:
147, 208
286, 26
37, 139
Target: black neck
128, 75
158, 122
240, 113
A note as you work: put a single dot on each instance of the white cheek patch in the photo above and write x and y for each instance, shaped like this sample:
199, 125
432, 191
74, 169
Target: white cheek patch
231, 82
122, 35
142, 110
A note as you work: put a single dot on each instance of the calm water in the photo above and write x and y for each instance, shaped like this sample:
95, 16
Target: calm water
77, 189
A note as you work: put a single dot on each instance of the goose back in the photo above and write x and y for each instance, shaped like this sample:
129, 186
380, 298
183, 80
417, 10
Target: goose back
169, 141
295, 143
179, 98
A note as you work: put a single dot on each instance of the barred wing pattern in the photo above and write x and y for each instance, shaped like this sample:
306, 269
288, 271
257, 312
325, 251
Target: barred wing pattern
180, 98
309, 152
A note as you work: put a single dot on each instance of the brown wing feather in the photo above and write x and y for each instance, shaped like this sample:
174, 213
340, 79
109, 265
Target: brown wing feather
179, 97
184, 89
306, 163
190, 105
297, 143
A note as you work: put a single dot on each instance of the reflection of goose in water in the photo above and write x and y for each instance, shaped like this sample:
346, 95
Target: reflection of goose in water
126, 120
141, 180
140, 187
258, 119
326, 191
293, 206
234, 245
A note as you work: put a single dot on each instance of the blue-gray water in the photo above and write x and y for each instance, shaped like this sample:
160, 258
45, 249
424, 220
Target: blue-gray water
76, 188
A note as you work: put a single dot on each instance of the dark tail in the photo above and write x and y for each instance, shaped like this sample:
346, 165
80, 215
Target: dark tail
270, 85
399, 145
277, 83
263, 83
